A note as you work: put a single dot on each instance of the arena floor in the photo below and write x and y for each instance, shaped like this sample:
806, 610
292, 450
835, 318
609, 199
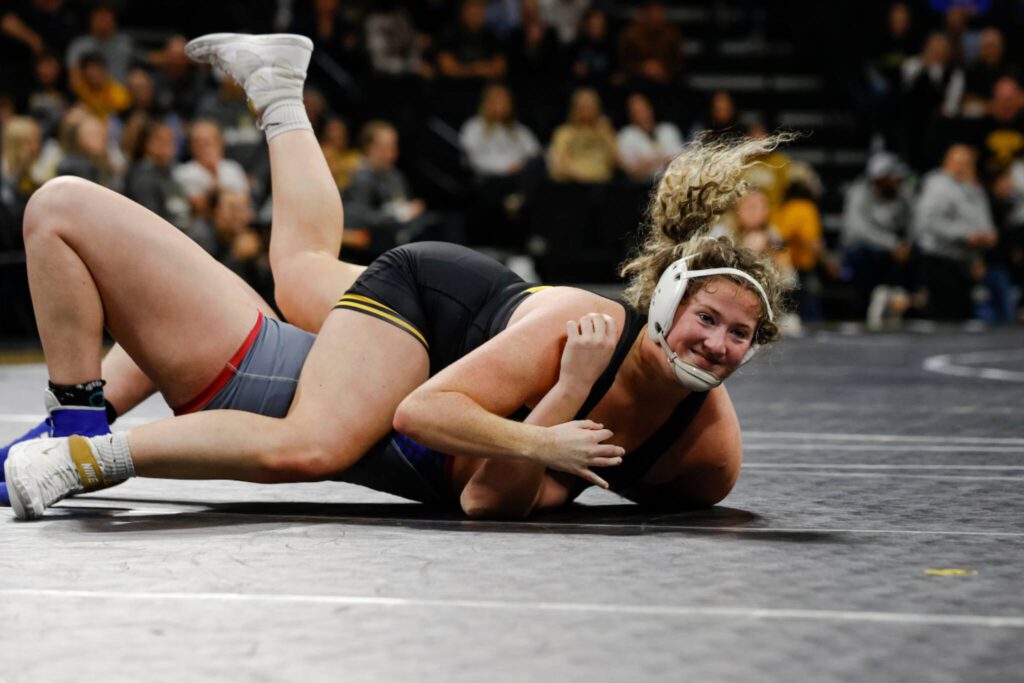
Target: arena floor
876, 534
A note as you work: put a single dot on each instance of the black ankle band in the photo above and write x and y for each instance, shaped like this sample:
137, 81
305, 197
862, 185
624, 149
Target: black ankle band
86, 394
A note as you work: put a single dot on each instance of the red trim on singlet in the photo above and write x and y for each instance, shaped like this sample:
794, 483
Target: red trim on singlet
225, 375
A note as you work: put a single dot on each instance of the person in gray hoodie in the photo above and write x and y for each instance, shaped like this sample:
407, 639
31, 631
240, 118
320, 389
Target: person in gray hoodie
953, 227
876, 233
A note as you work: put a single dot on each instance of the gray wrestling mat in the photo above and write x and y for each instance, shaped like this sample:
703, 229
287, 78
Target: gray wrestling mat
876, 534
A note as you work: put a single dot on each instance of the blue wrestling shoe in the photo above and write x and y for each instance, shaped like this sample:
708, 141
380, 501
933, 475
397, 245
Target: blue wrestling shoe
5, 500
62, 421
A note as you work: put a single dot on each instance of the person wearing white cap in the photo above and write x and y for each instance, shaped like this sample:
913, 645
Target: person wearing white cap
876, 227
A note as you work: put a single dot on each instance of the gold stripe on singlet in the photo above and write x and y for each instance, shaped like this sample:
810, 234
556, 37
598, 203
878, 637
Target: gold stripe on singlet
385, 313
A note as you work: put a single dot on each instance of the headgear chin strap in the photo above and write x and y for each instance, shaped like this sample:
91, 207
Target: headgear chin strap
666, 299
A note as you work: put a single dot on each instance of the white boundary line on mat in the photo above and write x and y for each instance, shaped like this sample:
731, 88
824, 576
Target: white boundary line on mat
961, 365
909, 618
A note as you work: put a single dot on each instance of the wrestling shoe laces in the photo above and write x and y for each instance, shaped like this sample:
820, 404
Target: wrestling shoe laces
271, 68
42, 472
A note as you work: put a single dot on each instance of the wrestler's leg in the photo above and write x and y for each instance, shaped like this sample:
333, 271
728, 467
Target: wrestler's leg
305, 239
702, 467
97, 259
307, 222
126, 386
358, 371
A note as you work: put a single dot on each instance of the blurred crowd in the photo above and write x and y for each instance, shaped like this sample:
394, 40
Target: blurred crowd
516, 109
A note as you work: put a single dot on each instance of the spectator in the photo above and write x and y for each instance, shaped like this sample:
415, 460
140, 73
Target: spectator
144, 110
21, 174
179, 83
379, 198
229, 108
208, 172
934, 87
651, 49
95, 89
39, 26
722, 120
116, 47
770, 172
876, 237
982, 76
498, 148
341, 159
535, 57
592, 54
237, 244
953, 227
963, 41
503, 17
1003, 128
896, 46
1001, 299
749, 225
87, 155
395, 46
799, 223
884, 74
151, 182
564, 16
333, 36
48, 100
470, 49
646, 146
584, 149
494, 141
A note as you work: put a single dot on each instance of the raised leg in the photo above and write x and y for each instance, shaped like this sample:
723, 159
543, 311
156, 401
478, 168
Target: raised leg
306, 237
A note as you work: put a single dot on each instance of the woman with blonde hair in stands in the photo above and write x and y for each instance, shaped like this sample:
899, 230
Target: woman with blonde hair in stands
438, 375
22, 145
584, 149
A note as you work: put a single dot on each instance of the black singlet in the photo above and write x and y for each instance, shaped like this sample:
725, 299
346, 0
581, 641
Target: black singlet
637, 462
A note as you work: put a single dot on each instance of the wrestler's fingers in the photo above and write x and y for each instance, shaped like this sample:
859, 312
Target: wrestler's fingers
609, 326
592, 478
604, 461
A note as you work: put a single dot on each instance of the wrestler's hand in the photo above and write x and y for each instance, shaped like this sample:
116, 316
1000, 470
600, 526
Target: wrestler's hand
589, 346
575, 447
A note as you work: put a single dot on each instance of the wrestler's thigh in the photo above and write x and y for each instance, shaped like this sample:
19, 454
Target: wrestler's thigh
358, 371
178, 312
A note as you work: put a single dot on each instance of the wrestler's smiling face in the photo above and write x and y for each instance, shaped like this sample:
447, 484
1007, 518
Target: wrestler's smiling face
714, 327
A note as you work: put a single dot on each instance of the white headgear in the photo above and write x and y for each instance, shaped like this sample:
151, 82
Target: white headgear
667, 296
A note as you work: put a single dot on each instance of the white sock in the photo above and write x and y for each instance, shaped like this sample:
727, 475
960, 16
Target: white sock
281, 117
114, 456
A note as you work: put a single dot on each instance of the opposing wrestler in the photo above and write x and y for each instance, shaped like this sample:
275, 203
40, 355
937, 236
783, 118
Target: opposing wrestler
431, 340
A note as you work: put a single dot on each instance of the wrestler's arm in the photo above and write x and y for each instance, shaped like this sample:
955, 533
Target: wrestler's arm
504, 488
459, 410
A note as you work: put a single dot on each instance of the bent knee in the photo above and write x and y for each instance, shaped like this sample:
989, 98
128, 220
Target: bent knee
54, 201
304, 461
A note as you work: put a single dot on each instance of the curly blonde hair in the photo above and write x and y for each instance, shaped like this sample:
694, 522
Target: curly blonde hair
701, 184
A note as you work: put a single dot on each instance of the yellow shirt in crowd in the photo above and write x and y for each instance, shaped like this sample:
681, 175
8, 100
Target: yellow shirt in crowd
799, 223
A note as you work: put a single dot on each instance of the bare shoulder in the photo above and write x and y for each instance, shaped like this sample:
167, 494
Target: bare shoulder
567, 303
